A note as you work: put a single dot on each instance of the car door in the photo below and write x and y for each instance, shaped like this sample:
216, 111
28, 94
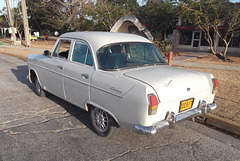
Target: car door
78, 73
53, 75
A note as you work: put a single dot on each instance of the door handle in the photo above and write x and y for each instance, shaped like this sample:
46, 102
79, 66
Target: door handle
60, 66
85, 76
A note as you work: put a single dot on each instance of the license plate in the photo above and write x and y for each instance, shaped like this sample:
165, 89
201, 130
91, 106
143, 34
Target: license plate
186, 104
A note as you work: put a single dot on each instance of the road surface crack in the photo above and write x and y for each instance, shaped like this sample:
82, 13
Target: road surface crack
136, 150
11, 133
12, 136
192, 151
156, 146
26, 115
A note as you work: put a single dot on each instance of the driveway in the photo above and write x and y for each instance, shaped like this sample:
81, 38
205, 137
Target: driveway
34, 128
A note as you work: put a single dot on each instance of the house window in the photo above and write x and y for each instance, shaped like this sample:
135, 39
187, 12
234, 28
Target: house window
185, 38
236, 40
204, 42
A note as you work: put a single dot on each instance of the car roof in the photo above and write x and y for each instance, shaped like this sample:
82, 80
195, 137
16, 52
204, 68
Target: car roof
98, 39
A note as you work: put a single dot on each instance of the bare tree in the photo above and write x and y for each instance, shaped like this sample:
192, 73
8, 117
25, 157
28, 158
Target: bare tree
59, 13
107, 13
219, 16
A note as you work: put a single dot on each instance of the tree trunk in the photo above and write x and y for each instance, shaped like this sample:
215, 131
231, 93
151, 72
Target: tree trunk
209, 40
213, 50
225, 52
20, 35
212, 46
214, 43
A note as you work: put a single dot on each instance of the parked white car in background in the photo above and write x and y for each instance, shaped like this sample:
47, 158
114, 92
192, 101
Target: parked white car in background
122, 80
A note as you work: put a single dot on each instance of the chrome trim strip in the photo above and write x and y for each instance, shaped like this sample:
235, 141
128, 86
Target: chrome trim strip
106, 91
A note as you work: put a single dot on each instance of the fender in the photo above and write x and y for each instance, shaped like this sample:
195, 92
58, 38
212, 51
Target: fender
87, 103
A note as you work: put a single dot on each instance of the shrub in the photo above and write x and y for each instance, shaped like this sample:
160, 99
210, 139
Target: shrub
165, 46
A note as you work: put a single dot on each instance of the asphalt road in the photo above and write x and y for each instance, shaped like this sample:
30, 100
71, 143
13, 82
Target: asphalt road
34, 128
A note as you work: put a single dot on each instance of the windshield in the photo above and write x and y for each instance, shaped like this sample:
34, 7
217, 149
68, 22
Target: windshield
125, 55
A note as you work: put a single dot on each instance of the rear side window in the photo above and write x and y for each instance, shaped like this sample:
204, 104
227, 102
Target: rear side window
62, 49
82, 54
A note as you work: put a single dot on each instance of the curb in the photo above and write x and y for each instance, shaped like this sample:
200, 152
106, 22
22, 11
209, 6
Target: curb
220, 123
21, 47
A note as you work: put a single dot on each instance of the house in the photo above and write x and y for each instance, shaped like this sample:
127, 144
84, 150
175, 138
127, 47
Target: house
187, 36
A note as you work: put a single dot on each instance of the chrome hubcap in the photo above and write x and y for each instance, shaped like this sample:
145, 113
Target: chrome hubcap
101, 119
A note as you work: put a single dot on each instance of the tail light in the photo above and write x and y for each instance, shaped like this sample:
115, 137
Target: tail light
153, 104
215, 85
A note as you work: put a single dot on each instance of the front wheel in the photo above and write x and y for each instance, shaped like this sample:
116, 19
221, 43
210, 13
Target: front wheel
39, 91
103, 123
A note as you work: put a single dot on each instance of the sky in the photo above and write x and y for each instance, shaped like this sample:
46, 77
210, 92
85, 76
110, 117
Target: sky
14, 2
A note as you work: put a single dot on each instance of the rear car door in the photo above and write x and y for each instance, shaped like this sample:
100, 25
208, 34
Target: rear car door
53, 75
78, 73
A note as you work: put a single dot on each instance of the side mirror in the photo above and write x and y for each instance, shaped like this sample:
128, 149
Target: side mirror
47, 53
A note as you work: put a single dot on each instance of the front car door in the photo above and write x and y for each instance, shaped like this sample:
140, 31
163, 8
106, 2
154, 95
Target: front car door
78, 73
53, 75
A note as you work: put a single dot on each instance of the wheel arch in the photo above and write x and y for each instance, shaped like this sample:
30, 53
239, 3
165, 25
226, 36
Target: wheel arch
33, 75
90, 105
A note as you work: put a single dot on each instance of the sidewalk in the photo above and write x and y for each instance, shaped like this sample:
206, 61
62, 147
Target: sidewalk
227, 125
191, 54
179, 61
210, 66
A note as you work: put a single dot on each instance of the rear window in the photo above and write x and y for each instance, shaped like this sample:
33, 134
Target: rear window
126, 55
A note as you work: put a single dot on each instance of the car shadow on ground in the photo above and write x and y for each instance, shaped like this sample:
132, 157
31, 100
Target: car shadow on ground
21, 74
80, 114
83, 116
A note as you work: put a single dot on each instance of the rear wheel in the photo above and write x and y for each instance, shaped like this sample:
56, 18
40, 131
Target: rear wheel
39, 91
103, 123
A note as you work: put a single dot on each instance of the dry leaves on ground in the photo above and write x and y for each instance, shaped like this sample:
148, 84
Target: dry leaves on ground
228, 96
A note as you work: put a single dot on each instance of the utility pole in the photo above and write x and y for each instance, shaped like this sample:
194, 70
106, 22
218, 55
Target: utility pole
25, 24
11, 22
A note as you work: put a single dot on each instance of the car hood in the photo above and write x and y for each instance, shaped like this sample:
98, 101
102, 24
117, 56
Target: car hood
171, 83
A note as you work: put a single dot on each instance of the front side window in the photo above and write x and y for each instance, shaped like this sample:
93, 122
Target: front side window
62, 49
125, 55
82, 54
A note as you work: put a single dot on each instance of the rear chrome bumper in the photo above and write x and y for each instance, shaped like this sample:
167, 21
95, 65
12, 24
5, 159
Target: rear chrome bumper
171, 118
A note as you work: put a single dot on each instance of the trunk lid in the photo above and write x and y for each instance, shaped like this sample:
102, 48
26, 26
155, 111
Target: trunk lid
171, 83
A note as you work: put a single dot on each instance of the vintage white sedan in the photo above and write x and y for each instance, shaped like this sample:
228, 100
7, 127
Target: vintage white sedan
122, 80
